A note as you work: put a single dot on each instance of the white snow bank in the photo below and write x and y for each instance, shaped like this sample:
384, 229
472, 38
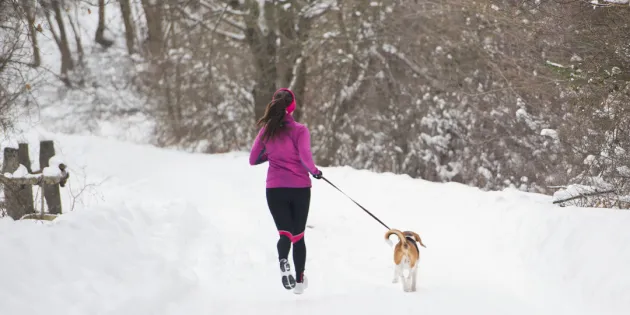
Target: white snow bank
98, 261
176, 233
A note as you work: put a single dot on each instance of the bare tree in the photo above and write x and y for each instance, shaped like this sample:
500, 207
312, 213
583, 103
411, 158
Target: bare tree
154, 15
14, 63
130, 35
52, 9
77, 39
99, 37
30, 10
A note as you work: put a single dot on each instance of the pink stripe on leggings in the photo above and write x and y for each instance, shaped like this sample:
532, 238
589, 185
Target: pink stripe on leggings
297, 238
286, 233
294, 239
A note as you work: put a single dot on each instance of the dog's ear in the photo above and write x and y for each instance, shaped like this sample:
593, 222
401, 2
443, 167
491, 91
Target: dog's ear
416, 237
411, 234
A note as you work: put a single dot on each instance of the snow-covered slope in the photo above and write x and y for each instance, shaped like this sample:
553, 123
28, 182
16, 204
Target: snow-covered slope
165, 232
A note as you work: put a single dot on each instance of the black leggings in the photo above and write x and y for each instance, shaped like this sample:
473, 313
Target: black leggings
289, 208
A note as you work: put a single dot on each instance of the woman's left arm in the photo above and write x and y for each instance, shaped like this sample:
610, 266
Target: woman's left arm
257, 155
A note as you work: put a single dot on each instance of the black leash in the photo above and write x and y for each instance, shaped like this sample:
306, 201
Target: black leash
360, 206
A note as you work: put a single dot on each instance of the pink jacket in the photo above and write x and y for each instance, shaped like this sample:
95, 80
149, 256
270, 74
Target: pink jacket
289, 155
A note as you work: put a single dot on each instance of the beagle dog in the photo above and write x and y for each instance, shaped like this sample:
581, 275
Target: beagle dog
406, 257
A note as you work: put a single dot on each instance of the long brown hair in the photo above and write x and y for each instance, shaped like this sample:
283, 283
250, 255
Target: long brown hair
273, 119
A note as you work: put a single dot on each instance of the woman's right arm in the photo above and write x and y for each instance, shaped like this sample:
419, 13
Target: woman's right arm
304, 150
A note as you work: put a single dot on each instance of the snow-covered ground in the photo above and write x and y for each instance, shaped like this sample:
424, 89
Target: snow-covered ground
165, 232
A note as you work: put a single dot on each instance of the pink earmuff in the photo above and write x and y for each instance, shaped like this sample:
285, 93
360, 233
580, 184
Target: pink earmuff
291, 106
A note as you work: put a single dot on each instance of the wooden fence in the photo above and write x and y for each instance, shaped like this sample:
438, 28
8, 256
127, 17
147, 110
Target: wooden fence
18, 187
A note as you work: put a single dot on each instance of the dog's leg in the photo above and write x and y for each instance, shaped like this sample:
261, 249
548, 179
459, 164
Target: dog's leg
414, 275
397, 273
410, 282
405, 280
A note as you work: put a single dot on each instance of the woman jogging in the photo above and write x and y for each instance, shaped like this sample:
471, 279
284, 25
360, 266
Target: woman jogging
286, 145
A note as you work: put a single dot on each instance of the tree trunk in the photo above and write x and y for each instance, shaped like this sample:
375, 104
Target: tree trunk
77, 38
291, 54
100, 30
299, 87
155, 37
266, 75
67, 64
51, 192
125, 9
262, 44
32, 32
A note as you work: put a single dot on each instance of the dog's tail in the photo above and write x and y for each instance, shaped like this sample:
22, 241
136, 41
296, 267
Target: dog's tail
398, 233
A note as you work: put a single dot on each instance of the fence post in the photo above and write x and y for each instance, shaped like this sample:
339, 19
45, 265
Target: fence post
51, 192
26, 191
14, 202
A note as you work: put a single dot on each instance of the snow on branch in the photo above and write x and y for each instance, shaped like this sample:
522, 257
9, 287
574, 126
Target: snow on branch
231, 35
317, 9
348, 92
609, 3
573, 192
554, 64
238, 25
294, 72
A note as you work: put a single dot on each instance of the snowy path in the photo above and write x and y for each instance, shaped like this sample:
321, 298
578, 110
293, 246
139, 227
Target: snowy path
178, 233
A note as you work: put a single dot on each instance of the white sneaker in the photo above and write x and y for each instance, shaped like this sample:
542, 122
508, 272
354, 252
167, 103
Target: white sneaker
287, 278
301, 286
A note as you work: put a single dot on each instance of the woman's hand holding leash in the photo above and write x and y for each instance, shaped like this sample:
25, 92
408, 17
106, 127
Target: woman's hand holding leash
318, 175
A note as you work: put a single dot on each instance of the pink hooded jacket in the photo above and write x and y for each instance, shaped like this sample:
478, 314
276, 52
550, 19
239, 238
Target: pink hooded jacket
289, 156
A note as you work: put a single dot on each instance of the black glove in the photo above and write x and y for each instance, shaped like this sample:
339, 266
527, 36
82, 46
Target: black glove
318, 175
